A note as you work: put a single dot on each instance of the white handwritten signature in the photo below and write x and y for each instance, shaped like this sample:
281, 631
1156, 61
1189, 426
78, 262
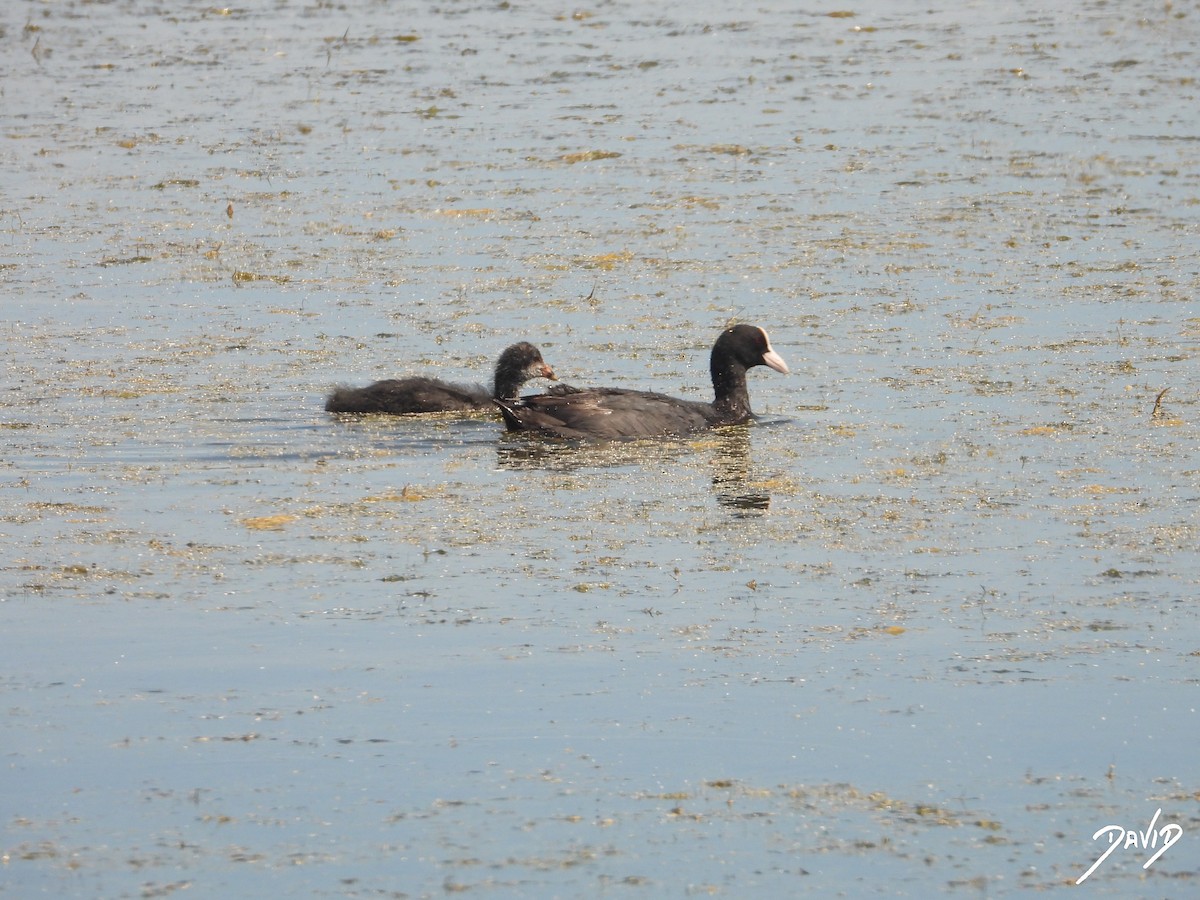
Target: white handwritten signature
1144, 840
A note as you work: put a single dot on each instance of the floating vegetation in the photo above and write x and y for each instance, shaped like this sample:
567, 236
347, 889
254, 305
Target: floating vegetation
855, 634
588, 156
243, 277
47, 506
229, 738
408, 494
481, 212
124, 260
268, 523
1159, 415
603, 261
1038, 430
729, 150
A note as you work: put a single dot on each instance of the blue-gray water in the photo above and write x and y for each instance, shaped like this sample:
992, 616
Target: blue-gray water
925, 629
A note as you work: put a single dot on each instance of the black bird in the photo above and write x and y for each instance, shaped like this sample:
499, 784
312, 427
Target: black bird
606, 413
417, 394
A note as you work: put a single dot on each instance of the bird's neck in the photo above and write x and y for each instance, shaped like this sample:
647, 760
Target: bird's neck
732, 399
506, 385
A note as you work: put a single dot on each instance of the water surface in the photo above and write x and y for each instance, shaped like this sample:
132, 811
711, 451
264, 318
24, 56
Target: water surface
925, 628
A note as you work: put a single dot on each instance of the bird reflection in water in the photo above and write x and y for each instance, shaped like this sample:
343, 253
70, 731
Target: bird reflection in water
731, 474
728, 451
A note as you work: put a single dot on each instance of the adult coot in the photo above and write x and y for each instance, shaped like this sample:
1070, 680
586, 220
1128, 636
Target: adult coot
607, 413
403, 396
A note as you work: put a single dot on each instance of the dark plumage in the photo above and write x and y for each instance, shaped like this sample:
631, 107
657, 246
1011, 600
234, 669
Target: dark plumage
403, 396
607, 413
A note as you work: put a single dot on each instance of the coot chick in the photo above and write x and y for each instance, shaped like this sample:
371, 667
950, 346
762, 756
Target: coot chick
403, 396
606, 413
